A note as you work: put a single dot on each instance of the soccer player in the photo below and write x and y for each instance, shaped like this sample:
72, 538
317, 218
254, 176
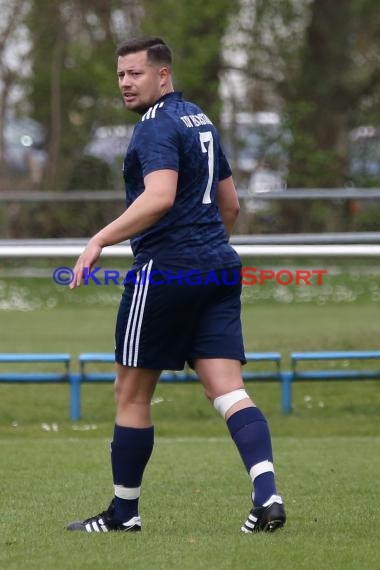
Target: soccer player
181, 208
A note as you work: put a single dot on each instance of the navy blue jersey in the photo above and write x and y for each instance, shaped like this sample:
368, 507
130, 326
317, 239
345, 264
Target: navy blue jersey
175, 134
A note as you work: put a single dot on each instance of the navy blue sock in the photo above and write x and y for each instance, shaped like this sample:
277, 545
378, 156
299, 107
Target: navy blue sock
130, 452
250, 432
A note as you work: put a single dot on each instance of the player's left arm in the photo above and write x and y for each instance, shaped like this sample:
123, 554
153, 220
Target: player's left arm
228, 203
157, 199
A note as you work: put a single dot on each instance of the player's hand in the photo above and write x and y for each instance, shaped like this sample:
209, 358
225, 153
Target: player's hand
86, 260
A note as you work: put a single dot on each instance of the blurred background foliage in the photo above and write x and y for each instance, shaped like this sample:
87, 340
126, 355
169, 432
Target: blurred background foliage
294, 86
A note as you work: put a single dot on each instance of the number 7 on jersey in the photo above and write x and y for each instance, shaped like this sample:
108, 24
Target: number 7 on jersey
206, 137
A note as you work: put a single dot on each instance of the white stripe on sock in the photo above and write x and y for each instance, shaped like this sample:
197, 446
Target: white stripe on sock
127, 492
260, 468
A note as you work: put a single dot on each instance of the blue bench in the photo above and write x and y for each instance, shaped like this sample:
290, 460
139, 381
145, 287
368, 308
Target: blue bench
36, 376
17, 358
187, 375
295, 374
285, 378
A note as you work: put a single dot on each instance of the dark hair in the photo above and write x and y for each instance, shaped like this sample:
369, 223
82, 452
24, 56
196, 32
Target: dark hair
157, 50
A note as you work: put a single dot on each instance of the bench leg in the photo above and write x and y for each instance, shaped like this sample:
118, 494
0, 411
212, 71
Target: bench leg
75, 397
286, 391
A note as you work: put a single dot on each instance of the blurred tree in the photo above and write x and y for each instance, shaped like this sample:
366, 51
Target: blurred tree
337, 72
12, 15
195, 31
319, 62
321, 59
316, 61
73, 85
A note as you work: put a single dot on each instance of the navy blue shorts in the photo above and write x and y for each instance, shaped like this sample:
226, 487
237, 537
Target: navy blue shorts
166, 319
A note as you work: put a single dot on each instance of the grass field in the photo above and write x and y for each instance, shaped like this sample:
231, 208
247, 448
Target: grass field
196, 493
194, 500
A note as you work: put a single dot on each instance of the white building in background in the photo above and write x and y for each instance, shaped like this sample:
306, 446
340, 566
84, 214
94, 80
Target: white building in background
250, 136
20, 138
234, 82
14, 55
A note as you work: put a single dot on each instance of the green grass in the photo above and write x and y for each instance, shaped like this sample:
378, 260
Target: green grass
84, 320
194, 499
320, 409
195, 493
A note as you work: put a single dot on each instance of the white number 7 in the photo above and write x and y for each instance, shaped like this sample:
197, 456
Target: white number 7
207, 138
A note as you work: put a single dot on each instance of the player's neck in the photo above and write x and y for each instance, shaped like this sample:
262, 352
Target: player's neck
167, 89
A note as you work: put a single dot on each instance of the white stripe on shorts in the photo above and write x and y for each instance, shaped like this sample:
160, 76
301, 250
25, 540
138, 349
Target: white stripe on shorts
138, 332
136, 313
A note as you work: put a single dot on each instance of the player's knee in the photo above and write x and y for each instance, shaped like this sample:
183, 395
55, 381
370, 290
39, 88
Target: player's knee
117, 388
123, 395
223, 403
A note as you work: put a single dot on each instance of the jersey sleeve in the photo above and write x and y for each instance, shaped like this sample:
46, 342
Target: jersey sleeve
157, 145
224, 167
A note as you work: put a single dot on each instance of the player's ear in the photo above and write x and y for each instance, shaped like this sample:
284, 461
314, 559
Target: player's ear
164, 75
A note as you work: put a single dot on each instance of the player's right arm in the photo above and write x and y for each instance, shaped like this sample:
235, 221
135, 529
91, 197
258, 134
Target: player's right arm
228, 203
157, 198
